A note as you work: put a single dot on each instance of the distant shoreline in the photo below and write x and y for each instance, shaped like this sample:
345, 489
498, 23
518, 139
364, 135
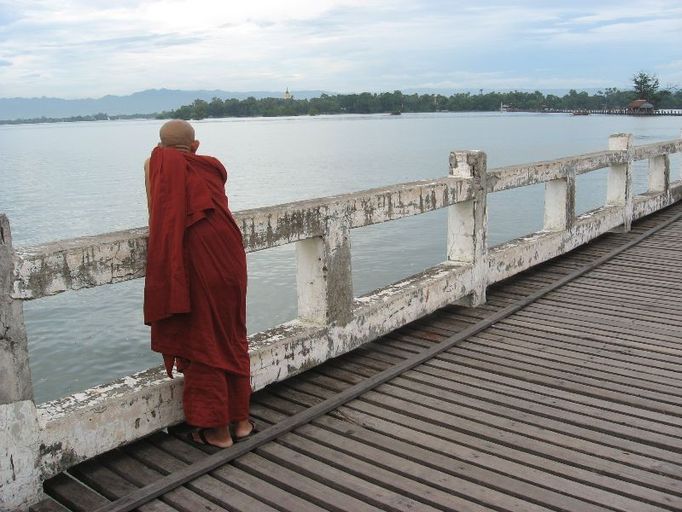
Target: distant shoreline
394, 103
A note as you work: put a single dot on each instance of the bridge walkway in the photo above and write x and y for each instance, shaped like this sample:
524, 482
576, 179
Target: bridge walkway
571, 403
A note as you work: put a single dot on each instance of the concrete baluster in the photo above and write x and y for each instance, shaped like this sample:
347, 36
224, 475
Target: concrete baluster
659, 174
560, 203
19, 480
324, 279
468, 222
619, 186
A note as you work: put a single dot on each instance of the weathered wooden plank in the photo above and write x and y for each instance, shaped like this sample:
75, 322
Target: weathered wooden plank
218, 492
375, 458
560, 365
47, 505
612, 329
617, 308
240, 482
558, 464
543, 429
300, 485
606, 390
587, 345
595, 334
630, 415
510, 466
140, 475
341, 472
111, 485
73, 494
550, 406
612, 361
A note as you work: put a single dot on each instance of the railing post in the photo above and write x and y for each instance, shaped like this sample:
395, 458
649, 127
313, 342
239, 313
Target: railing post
659, 173
324, 280
619, 187
468, 222
19, 478
15, 374
560, 203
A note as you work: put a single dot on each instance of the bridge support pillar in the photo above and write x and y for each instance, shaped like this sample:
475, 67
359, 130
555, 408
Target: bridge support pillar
619, 187
20, 481
468, 222
324, 280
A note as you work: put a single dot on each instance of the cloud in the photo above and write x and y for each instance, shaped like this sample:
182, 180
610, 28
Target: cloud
79, 47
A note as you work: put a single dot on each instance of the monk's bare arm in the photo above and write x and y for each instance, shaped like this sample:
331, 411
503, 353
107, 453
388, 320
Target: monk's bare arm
147, 188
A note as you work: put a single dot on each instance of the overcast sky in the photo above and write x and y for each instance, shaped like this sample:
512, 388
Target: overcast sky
79, 48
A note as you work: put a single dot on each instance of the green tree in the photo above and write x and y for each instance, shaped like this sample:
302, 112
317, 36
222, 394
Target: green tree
645, 85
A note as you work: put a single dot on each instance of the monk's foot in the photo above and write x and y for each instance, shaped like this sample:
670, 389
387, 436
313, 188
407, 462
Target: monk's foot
244, 429
218, 437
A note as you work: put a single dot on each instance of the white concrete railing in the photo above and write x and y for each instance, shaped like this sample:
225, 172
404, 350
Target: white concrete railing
331, 321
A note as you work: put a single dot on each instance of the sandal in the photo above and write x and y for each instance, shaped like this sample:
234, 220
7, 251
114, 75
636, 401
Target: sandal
238, 439
202, 435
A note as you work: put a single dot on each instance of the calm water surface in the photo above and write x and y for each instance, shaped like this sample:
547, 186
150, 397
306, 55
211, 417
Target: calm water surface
65, 180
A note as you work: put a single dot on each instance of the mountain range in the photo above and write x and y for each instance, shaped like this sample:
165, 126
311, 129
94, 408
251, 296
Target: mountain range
142, 102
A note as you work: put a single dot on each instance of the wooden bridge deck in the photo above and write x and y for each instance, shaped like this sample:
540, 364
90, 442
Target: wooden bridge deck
573, 403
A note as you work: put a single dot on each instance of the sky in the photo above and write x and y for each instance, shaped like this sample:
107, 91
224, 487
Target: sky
79, 48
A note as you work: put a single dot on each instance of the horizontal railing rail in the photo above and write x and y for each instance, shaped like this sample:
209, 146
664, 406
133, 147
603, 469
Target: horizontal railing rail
84, 262
331, 320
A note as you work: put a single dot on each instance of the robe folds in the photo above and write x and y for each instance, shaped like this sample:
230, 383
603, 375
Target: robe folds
195, 287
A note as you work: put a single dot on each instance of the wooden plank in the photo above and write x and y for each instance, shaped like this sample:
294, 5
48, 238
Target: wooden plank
578, 467
615, 481
548, 429
611, 360
445, 489
664, 389
580, 489
111, 485
217, 492
73, 494
47, 505
518, 386
301, 485
655, 341
139, 475
525, 430
589, 417
390, 493
242, 485
650, 301
639, 397
617, 307
627, 415
600, 344
531, 325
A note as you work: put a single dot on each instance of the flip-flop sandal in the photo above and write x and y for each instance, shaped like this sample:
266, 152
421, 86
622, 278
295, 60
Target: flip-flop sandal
239, 439
202, 436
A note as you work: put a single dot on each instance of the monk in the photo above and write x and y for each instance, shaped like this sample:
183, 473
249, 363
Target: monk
195, 286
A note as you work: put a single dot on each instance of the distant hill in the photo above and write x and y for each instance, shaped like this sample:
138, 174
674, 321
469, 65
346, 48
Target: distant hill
143, 102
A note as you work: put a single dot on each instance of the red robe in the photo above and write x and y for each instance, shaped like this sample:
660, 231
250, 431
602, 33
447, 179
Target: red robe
195, 288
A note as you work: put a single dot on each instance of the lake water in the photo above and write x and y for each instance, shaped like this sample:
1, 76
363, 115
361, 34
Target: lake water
65, 180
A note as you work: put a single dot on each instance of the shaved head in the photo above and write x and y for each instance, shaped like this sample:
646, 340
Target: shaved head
178, 134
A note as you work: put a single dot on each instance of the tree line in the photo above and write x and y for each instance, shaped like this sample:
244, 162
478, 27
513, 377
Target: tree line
397, 102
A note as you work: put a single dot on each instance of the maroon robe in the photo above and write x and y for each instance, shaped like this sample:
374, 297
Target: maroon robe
195, 288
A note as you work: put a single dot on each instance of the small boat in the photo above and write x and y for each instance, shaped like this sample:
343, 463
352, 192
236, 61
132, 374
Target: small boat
580, 113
